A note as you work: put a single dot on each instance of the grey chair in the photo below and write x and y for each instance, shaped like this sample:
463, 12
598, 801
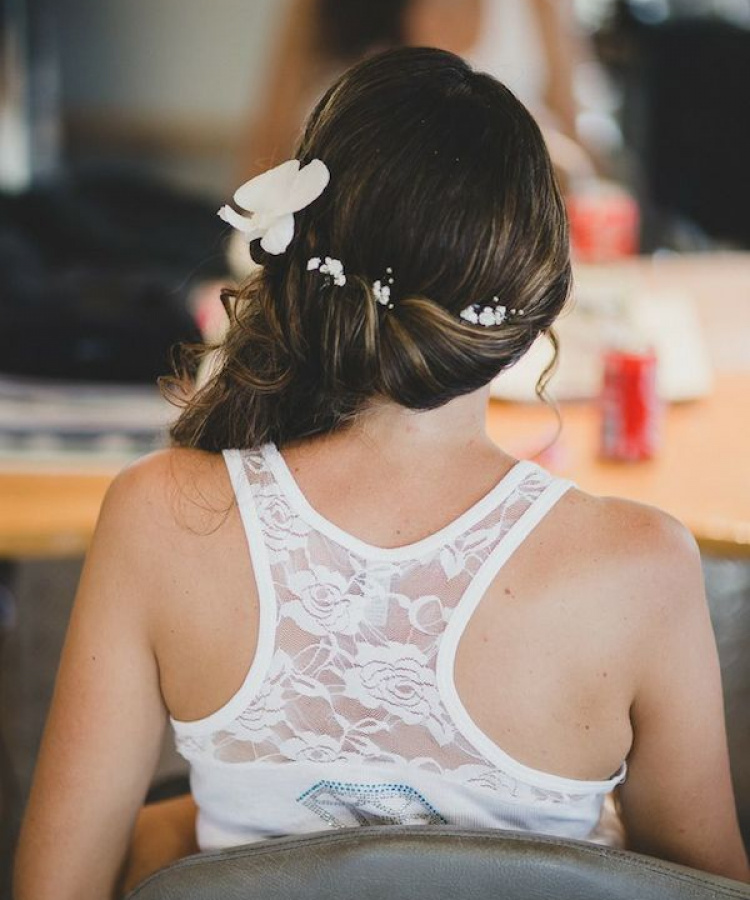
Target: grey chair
430, 863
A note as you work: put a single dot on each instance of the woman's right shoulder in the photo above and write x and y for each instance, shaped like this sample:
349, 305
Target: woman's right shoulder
649, 558
626, 576
634, 527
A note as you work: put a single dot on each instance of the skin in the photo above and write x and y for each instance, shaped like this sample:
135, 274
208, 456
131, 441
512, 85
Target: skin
599, 619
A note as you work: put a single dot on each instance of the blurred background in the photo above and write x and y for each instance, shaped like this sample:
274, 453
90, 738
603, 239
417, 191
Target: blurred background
124, 124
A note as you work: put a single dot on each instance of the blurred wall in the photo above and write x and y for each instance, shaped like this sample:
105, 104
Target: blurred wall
165, 83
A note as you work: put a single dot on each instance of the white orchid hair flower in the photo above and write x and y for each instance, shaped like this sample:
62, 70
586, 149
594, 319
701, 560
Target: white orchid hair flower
273, 198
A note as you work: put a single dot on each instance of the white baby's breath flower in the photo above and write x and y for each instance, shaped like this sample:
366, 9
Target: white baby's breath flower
382, 293
487, 317
333, 267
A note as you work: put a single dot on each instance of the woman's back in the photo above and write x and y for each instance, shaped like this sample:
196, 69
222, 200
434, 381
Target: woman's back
545, 668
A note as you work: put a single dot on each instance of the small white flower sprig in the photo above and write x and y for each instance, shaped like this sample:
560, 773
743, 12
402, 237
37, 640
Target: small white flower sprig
382, 291
475, 314
488, 316
332, 268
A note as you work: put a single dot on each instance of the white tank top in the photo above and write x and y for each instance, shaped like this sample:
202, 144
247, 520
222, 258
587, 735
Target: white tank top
349, 714
511, 47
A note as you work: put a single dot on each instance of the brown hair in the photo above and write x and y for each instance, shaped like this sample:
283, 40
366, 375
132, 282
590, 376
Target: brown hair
438, 173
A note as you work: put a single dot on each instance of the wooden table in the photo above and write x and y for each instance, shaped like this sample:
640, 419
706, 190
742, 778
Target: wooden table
48, 513
702, 475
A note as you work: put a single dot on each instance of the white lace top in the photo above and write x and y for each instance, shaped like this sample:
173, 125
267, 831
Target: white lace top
349, 714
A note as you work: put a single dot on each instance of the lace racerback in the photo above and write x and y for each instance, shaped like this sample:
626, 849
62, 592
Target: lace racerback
349, 713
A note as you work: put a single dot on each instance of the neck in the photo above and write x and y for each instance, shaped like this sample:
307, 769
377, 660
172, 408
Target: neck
399, 432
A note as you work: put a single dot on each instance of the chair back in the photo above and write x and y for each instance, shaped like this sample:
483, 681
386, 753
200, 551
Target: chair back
430, 863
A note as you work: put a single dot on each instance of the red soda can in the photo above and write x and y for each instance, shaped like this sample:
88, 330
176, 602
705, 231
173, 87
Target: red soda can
604, 223
630, 405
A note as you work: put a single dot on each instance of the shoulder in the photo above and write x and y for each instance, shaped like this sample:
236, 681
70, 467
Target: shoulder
164, 502
633, 527
627, 576
637, 534
628, 530
649, 559
167, 532
170, 488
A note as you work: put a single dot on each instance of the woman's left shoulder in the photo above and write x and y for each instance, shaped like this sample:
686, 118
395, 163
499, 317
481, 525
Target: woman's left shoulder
162, 507
169, 481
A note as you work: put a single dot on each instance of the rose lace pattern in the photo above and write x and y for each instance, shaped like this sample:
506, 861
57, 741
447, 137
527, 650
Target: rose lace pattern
355, 654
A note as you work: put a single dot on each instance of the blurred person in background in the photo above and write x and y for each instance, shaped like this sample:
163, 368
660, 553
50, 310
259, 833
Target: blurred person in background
533, 46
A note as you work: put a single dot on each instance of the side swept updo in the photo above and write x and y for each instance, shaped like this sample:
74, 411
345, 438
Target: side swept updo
439, 174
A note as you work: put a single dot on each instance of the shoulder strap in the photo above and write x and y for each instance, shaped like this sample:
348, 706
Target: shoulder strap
536, 511
506, 546
239, 475
222, 718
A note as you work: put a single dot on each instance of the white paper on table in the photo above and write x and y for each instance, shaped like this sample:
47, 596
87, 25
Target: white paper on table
668, 320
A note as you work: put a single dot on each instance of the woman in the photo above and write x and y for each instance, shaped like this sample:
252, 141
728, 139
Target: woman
531, 45
424, 629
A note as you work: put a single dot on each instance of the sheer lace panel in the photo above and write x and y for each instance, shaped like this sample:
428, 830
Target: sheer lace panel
353, 672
